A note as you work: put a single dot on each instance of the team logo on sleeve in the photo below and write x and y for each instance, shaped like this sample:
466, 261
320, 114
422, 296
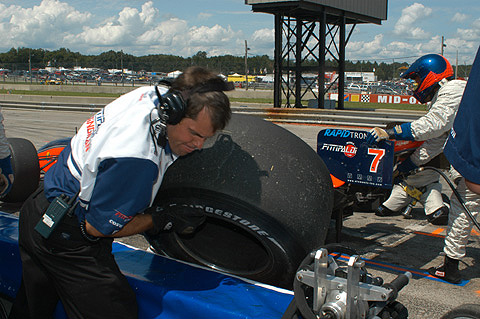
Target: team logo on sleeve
92, 125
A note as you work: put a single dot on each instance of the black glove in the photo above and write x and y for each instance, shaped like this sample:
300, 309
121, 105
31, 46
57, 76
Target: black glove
403, 169
183, 220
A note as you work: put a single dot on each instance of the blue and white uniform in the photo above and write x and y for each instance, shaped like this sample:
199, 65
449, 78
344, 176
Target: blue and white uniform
114, 161
463, 152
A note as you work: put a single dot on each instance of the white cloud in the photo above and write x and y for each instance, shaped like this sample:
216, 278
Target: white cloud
459, 17
202, 36
149, 14
166, 34
123, 30
263, 39
54, 24
204, 16
176, 37
145, 27
407, 25
39, 26
363, 49
472, 34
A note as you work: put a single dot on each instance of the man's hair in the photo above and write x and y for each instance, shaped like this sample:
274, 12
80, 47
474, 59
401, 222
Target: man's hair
195, 85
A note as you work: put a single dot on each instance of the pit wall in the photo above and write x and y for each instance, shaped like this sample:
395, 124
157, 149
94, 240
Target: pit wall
375, 98
237, 93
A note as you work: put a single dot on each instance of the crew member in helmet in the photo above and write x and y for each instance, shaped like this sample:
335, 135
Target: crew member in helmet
433, 76
112, 169
463, 152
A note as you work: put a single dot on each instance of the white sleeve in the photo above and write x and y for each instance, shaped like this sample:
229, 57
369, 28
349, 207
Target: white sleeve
439, 118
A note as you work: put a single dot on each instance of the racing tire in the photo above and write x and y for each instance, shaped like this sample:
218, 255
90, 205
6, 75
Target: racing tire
466, 311
26, 170
267, 197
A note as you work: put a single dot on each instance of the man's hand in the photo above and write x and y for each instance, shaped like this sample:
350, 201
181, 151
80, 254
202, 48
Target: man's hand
6, 176
403, 169
377, 134
406, 166
183, 220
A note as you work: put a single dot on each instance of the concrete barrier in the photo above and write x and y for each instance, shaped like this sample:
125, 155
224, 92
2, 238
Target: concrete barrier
119, 89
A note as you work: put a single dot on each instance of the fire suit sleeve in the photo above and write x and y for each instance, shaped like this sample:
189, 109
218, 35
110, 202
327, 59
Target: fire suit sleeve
123, 188
428, 150
441, 115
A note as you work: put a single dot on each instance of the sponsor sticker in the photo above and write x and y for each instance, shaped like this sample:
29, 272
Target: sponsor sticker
350, 159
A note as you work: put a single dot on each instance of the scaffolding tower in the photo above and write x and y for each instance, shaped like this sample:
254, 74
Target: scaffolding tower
307, 32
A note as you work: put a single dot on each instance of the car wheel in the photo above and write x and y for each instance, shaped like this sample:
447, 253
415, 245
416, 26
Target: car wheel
466, 311
267, 196
26, 170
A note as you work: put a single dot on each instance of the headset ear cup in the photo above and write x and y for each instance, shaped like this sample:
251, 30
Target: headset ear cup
175, 107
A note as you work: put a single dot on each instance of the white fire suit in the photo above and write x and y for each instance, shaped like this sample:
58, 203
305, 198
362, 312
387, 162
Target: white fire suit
433, 128
459, 224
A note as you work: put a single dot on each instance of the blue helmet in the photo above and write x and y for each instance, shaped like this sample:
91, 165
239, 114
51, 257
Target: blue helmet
430, 69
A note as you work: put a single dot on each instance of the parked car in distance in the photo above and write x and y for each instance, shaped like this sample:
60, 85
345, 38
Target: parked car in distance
384, 90
358, 88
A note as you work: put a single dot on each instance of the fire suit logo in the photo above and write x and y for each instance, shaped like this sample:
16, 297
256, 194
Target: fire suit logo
350, 150
92, 125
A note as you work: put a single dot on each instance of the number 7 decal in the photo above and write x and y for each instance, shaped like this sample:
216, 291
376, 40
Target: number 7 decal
378, 153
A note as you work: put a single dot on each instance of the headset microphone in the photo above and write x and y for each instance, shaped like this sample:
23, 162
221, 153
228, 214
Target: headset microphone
158, 122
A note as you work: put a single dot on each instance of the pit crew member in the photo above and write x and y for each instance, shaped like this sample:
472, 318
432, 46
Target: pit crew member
433, 76
115, 164
463, 152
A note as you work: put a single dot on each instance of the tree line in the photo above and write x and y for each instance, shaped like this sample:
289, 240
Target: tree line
24, 58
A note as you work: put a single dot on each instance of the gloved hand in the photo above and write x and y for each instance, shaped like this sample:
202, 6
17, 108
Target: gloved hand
183, 220
406, 166
377, 134
398, 132
6, 176
403, 169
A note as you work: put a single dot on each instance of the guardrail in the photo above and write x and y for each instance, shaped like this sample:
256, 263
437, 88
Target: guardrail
359, 118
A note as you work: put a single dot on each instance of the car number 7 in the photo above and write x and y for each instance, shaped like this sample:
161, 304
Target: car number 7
378, 155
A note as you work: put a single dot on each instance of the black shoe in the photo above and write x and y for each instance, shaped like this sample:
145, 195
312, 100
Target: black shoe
439, 217
448, 271
384, 211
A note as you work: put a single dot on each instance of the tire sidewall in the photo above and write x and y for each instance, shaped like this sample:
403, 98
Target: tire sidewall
284, 254
26, 170
471, 311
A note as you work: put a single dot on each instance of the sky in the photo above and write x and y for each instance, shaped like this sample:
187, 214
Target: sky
220, 27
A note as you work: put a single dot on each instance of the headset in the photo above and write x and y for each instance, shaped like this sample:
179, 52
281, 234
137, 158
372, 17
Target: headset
173, 105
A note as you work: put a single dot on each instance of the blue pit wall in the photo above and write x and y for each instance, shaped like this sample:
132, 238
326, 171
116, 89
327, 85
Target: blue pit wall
164, 288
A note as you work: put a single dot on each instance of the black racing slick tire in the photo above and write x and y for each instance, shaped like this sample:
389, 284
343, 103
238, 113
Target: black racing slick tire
267, 196
466, 311
26, 170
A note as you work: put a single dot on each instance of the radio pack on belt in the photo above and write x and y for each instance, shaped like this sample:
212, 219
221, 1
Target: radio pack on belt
54, 214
